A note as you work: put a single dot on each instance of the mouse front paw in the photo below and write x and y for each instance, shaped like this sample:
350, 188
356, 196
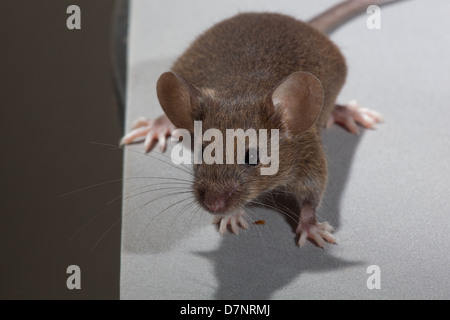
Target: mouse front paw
233, 220
154, 130
350, 115
318, 232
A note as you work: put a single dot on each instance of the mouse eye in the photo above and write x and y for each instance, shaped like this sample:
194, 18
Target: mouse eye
251, 157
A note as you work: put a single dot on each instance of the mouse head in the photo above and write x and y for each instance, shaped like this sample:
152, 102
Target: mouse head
287, 114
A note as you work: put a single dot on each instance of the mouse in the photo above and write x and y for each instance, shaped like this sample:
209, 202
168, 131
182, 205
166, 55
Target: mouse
261, 71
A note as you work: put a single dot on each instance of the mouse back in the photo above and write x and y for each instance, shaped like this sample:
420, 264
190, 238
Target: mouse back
245, 57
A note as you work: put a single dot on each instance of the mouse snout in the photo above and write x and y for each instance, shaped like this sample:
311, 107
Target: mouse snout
217, 201
216, 205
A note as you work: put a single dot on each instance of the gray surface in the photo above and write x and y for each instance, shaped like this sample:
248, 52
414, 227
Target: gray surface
388, 189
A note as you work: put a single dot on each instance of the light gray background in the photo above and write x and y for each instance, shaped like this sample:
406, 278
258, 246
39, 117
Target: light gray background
388, 188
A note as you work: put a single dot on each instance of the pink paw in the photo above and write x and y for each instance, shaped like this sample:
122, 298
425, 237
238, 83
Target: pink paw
154, 130
233, 219
351, 114
318, 232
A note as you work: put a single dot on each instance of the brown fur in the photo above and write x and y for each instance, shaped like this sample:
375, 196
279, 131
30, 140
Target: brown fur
235, 66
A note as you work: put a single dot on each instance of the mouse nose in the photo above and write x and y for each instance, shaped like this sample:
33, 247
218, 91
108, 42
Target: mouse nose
216, 205
216, 201
216, 198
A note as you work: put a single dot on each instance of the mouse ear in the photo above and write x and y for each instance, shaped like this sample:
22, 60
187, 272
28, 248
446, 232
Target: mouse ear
298, 100
176, 97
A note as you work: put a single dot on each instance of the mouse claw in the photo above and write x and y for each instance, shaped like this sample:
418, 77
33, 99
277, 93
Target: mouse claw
352, 114
149, 142
234, 220
234, 226
162, 141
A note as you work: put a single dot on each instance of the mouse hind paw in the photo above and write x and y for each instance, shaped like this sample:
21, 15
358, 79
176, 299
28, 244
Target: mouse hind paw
320, 233
350, 115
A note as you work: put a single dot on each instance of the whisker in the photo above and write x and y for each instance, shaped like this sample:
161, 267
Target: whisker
159, 213
104, 235
146, 186
86, 224
151, 190
168, 194
118, 220
289, 212
89, 187
126, 198
185, 169
100, 213
197, 208
120, 180
253, 220
173, 204
184, 210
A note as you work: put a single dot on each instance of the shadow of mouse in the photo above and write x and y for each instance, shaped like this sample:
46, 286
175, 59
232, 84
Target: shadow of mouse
263, 260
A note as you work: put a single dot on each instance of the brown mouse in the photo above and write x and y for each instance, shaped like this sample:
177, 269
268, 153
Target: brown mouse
261, 70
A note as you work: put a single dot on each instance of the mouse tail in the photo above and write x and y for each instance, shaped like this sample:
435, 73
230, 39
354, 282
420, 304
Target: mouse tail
342, 12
